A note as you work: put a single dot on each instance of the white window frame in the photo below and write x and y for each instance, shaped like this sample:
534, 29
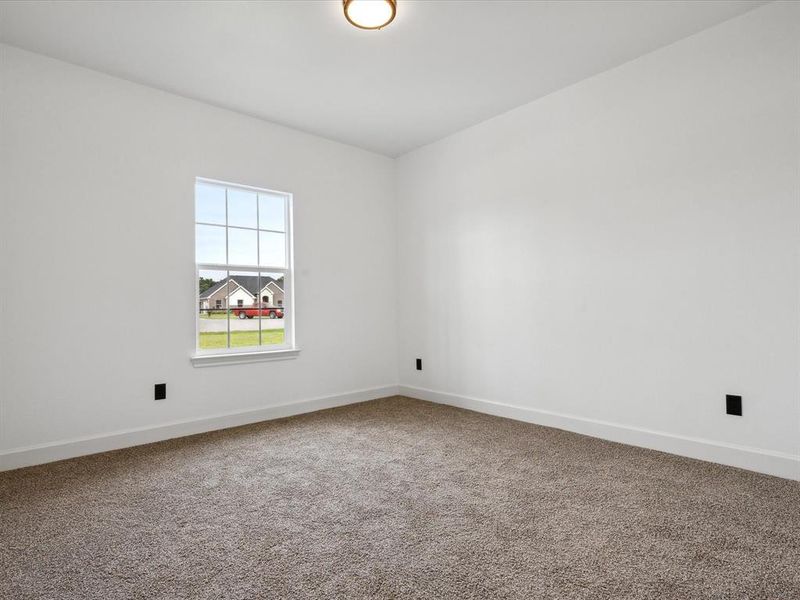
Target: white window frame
283, 351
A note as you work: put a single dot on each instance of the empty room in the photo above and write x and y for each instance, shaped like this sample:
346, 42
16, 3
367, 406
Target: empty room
400, 299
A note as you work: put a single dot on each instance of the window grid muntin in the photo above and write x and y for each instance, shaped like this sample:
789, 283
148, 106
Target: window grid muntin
238, 227
287, 305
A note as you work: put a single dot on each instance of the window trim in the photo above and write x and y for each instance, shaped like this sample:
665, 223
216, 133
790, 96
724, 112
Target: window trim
247, 354
236, 358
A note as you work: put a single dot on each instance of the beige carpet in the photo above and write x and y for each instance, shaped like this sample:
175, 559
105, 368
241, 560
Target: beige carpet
395, 499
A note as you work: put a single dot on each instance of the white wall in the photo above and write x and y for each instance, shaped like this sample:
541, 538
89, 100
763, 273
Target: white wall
622, 251
612, 258
97, 202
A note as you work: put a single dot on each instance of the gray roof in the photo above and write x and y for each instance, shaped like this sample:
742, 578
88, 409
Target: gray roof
248, 282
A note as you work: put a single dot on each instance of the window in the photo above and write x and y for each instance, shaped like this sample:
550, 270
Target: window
242, 244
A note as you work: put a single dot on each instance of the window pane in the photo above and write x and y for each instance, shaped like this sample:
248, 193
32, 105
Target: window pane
212, 310
272, 309
273, 249
242, 247
240, 309
272, 212
242, 208
210, 244
244, 313
209, 202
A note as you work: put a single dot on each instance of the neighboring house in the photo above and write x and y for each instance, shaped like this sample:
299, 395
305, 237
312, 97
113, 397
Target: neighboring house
242, 290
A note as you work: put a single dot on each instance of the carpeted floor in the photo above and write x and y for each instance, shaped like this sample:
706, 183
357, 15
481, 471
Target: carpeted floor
395, 498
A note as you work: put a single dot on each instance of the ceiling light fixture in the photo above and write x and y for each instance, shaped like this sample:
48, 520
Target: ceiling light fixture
370, 14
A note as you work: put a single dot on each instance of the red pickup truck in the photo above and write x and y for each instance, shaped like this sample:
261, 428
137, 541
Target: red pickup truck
248, 312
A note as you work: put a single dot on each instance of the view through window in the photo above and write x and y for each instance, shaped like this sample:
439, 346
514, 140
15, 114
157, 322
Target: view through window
243, 266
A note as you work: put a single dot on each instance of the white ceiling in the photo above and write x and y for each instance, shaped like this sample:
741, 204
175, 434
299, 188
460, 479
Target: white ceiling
439, 67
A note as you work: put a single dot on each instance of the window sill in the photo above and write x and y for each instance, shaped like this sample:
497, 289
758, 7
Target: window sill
236, 358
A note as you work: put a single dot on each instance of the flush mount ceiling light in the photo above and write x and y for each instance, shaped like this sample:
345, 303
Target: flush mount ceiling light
370, 14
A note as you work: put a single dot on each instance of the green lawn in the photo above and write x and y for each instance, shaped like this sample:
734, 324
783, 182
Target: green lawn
240, 339
214, 315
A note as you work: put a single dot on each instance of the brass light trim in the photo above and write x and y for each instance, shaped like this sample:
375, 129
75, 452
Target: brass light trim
391, 3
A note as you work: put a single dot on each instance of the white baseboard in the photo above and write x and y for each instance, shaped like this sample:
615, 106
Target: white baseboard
44, 453
753, 459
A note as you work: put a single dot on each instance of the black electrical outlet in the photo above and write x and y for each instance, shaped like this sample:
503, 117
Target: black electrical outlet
419, 364
161, 391
733, 405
